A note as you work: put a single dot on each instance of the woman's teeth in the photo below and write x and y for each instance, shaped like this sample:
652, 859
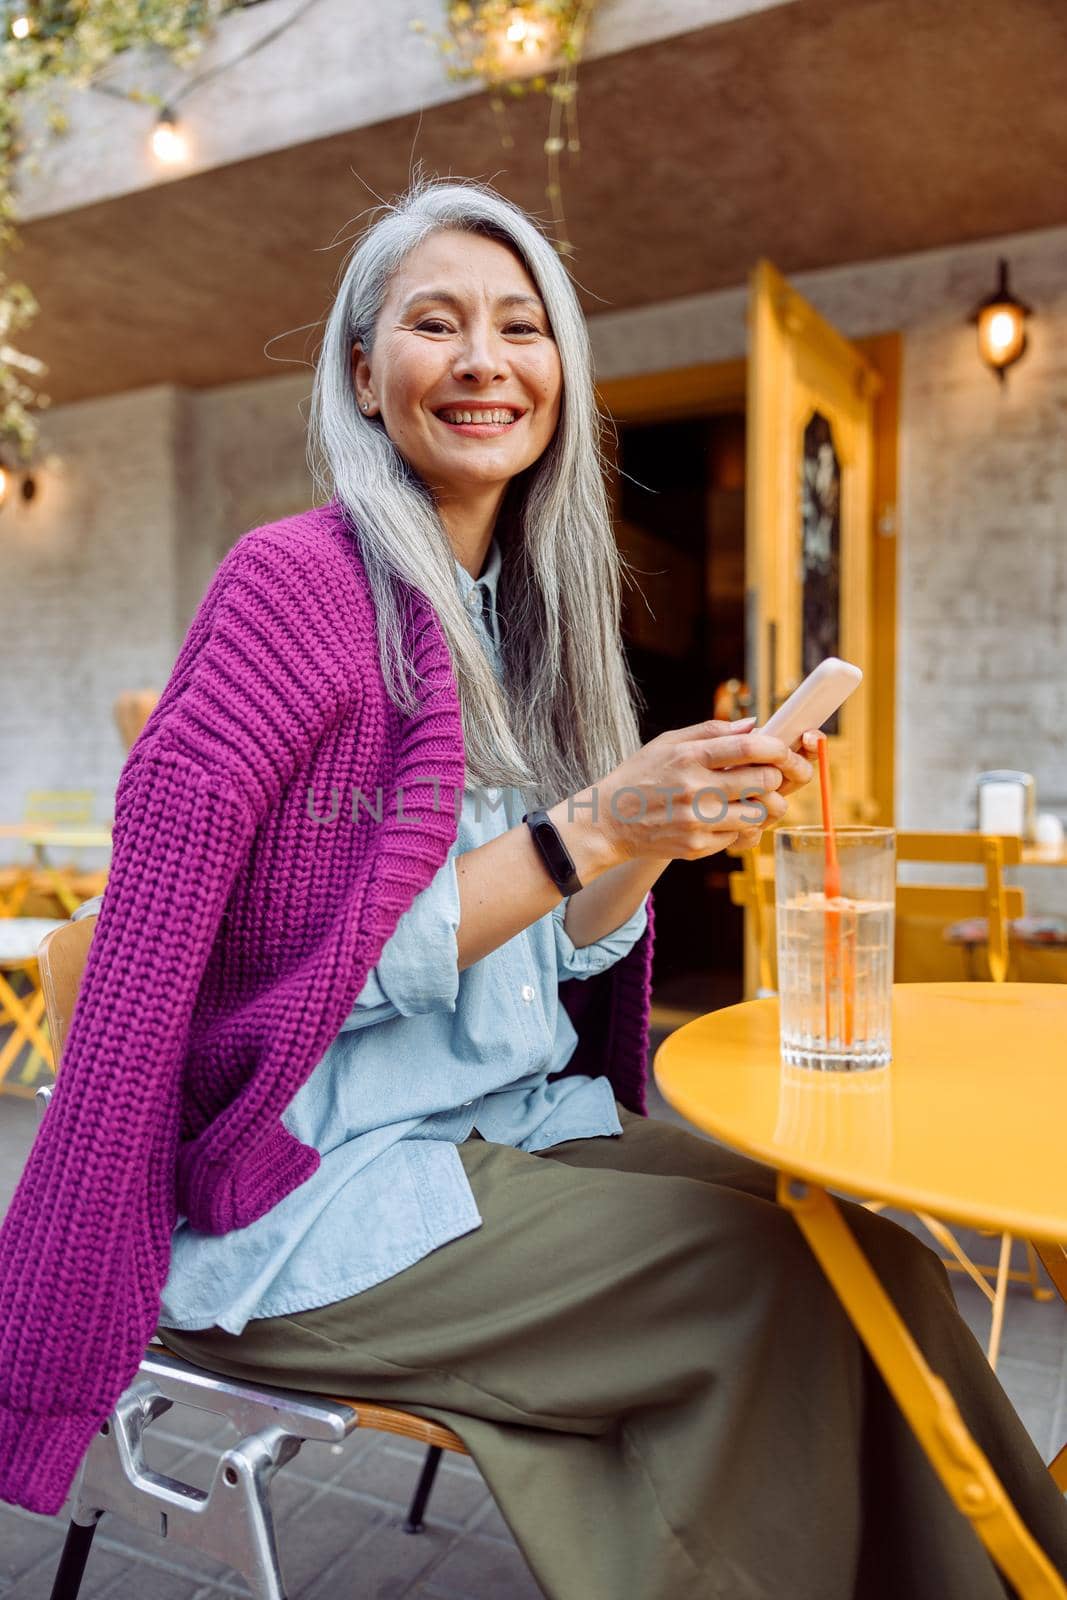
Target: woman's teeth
494, 417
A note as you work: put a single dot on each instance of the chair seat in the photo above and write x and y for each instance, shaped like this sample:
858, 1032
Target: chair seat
389, 1419
1040, 930
372, 1414
20, 937
1023, 930
971, 931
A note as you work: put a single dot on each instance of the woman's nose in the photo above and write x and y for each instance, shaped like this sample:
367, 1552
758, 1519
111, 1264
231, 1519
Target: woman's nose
482, 357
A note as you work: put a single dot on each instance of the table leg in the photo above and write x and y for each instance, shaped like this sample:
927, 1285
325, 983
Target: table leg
26, 1014
57, 882
923, 1397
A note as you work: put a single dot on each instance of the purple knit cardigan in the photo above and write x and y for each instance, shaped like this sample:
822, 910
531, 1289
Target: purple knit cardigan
235, 934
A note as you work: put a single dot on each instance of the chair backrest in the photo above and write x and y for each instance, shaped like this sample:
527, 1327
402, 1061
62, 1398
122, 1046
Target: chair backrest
132, 710
61, 963
950, 902
55, 808
992, 899
759, 906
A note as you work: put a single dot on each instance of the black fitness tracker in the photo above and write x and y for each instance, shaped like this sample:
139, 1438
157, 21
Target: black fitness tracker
554, 852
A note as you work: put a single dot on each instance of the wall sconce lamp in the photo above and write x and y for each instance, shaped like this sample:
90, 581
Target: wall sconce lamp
1000, 320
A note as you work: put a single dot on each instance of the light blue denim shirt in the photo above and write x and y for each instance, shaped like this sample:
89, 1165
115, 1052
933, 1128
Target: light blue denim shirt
427, 1054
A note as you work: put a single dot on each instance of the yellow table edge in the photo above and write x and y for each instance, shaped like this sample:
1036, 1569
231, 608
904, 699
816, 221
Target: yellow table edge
1008, 1219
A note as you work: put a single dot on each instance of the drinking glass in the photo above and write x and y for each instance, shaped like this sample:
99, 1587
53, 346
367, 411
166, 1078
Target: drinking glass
835, 955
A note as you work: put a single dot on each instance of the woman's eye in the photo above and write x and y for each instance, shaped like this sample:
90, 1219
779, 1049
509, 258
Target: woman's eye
435, 325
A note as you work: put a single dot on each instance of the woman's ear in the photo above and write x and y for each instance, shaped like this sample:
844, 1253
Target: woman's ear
361, 379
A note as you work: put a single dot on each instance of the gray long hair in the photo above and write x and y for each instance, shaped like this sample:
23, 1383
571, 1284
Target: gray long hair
564, 714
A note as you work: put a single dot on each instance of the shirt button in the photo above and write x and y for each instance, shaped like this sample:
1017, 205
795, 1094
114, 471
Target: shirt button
528, 992
473, 601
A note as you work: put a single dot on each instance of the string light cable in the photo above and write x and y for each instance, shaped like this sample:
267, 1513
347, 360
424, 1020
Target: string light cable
168, 141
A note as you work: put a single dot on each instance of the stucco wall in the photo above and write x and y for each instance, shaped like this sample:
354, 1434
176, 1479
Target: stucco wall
105, 570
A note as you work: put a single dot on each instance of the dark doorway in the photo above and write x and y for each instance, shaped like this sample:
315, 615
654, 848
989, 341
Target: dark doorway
680, 522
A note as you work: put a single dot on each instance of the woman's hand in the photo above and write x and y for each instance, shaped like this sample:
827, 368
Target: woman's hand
695, 791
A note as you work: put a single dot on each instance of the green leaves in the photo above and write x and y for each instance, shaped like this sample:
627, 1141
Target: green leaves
69, 42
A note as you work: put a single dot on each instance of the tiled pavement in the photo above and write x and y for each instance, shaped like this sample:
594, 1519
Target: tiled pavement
340, 1508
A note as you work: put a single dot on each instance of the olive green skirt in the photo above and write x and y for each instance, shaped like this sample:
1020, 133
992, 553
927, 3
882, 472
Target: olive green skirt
661, 1389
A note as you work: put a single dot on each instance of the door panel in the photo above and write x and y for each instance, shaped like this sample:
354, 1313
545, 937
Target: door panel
809, 518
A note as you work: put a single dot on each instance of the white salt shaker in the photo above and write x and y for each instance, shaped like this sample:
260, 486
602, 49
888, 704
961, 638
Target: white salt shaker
1006, 803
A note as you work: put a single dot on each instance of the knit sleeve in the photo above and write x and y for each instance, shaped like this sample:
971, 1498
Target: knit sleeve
266, 668
85, 1245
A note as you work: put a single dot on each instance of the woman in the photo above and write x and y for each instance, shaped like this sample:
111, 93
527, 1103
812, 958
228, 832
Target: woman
354, 1095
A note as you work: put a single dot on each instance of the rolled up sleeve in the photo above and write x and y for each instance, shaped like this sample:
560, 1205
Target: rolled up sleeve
418, 969
583, 961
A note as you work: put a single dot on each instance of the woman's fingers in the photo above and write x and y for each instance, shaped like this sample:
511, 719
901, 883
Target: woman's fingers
736, 782
737, 816
681, 796
754, 749
809, 744
715, 728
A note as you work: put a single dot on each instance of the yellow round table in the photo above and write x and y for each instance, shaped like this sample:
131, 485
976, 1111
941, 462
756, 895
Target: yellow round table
968, 1122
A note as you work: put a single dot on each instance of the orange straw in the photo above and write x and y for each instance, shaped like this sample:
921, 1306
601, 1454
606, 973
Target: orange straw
835, 969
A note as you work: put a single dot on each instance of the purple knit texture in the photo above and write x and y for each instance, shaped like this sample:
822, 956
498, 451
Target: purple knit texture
235, 935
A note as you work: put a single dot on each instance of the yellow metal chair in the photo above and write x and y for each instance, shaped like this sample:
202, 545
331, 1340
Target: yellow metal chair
59, 808
15, 883
25, 1049
33, 888
939, 904
233, 1521
132, 710
991, 906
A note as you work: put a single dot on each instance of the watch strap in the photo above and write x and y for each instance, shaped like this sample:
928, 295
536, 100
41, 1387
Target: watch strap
554, 853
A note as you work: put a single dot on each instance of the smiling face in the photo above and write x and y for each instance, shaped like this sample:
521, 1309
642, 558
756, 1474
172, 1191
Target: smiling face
462, 335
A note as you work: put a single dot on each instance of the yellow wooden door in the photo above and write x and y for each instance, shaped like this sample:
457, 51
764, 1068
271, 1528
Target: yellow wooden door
809, 515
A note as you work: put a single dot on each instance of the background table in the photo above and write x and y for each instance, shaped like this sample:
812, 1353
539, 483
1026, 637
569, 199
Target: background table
67, 885
967, 1122
42, 836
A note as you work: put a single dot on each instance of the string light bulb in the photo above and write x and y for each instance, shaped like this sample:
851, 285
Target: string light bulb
169, 144
21, 27
526, 40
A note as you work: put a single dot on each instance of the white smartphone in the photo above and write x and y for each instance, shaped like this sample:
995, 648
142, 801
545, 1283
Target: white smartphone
815, 701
